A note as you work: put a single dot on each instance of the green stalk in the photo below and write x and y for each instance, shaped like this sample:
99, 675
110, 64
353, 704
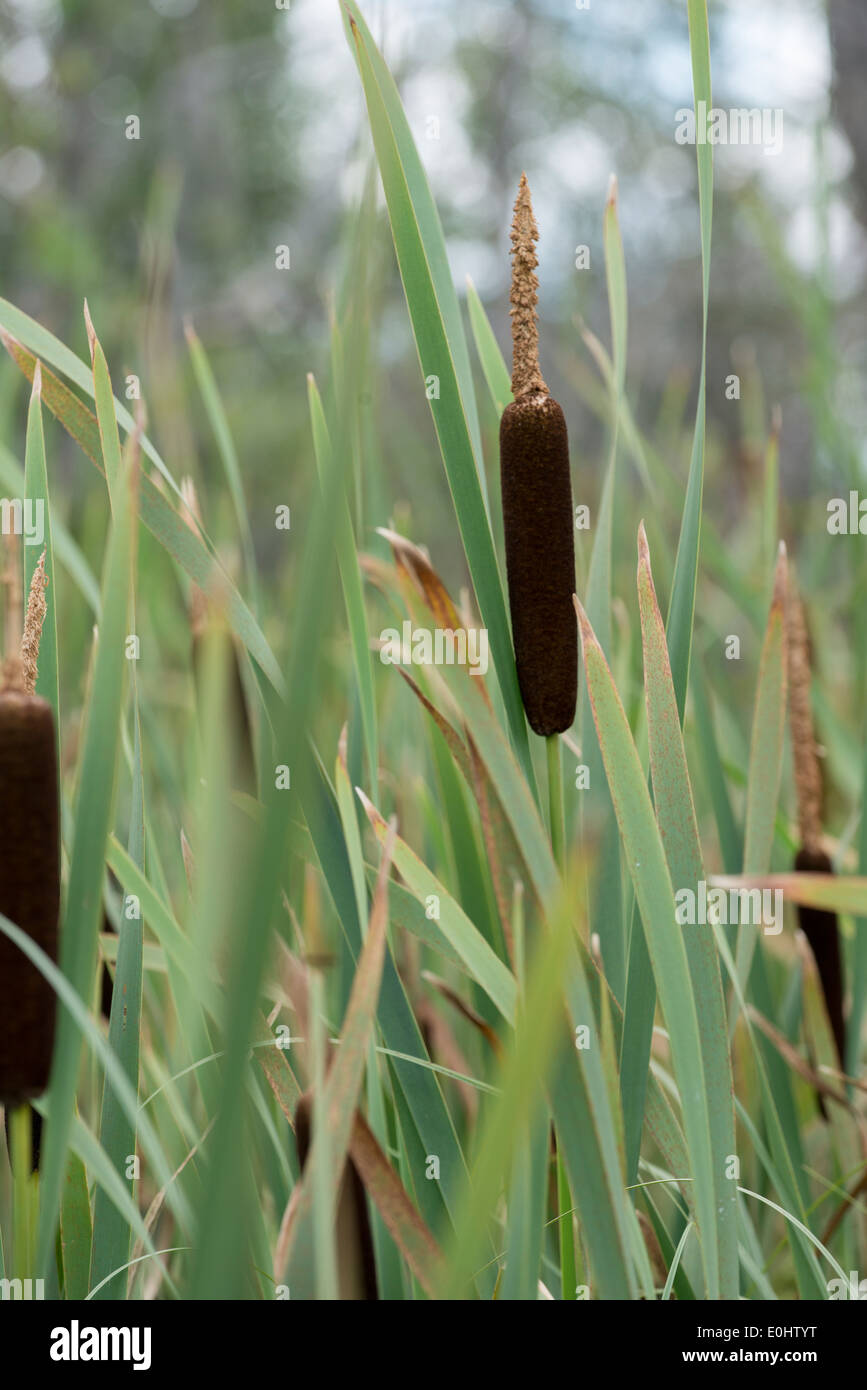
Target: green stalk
323, 1211
555, 801
20, 1135
568, 1267
568, 1277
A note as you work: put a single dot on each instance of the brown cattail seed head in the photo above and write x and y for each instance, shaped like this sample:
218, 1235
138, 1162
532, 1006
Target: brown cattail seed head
540, 559
537, 508
29, 890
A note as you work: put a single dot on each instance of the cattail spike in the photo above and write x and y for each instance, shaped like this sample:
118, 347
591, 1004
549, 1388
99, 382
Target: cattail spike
808, 774
527, 379
537, 508
29, 846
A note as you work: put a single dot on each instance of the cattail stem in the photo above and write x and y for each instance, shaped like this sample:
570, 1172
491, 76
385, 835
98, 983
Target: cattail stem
566, 1230
518, 952
555, 801
568, 1265
323, 1206
21, 1155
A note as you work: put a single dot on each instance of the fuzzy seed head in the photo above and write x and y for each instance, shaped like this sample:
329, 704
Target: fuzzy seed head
527, 379
808, 773
33, 620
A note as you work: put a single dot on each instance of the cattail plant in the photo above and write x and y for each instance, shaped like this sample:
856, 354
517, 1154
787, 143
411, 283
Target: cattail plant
537, 507
540, 553
819, 927
29, 856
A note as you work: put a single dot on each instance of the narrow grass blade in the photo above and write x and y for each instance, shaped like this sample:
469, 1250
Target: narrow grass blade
418, 1097
158, 515
93, 812
805, 1231
75, 1230
731, 843
784, 1164
672, 795
389, 1275
675, 1263
40, 343
493, 364
350, 578
766, 761
103, 396
223, 1262
176, 944
69, 554
526, 1202
225, 446
543, 1053
511, 786
771, 498
442, 352
85, 1146
489, 972
682, 606
111, 1238
427, 216
598, 596
334, 1110
151, 1146
655, 896
607, 906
